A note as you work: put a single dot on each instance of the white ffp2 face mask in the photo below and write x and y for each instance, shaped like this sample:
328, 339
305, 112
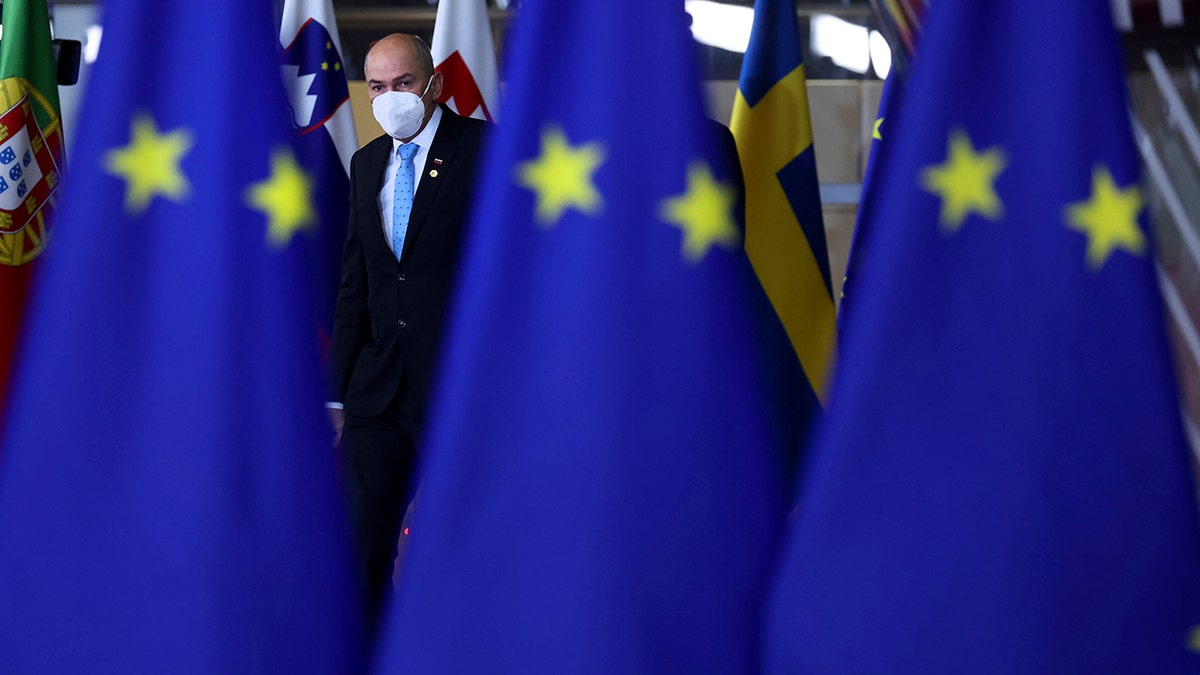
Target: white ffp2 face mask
400, 113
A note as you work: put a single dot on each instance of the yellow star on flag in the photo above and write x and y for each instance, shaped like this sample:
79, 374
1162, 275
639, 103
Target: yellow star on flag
324, 65
704, 213
1194, 639
875, 133
285, 197
562, 177
150, 164
1108, 218
966, 182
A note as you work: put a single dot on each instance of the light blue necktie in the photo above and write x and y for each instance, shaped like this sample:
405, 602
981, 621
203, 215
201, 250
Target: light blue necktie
402, 204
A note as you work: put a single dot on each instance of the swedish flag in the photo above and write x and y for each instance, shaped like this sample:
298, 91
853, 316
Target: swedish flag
785, 233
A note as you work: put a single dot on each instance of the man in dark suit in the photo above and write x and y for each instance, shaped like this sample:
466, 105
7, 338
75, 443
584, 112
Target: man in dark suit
410, 193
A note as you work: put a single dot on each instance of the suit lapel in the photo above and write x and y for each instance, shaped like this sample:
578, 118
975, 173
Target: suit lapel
439, 164
375, 164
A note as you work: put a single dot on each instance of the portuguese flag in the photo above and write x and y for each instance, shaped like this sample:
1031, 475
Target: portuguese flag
31, 161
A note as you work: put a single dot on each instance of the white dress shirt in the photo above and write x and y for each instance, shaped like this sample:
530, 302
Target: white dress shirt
387, 194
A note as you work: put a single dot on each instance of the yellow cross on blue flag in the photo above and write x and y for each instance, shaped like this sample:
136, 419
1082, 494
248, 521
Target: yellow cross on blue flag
602, 490
1003, 483
785, 231
167, 492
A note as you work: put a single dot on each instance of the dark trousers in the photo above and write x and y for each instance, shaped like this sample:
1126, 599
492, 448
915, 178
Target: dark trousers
380, 457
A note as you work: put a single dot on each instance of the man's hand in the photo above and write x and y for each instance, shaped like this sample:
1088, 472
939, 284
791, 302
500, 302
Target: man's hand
337, 419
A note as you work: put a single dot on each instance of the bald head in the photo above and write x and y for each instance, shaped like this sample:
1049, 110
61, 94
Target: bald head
400, 47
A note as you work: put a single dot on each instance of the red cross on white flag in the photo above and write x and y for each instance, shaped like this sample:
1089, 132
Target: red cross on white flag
464, 53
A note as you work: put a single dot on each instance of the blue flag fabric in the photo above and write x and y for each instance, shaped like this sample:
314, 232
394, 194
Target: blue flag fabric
1003, 485
601, 492
323, 124
890, 103
167, 492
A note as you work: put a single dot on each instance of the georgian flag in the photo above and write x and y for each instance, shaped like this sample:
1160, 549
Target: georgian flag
464, 53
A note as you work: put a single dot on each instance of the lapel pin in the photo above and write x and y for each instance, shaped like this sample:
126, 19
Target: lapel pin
436, 160
433, 173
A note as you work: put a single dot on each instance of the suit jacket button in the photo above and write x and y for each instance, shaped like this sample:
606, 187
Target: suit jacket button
399, 277
401, 323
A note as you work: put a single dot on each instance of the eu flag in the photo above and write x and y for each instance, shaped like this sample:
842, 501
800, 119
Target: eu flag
167, 497
890, 104
1003, 485
601, 492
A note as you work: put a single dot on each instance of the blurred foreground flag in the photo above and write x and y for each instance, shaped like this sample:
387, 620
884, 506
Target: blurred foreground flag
31, 164
601, 492
891, 101
785, 232
1003, 485
323, 126
464, 53
167, 501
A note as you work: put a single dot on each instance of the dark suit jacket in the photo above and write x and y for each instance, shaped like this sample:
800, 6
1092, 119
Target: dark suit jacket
390, 313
